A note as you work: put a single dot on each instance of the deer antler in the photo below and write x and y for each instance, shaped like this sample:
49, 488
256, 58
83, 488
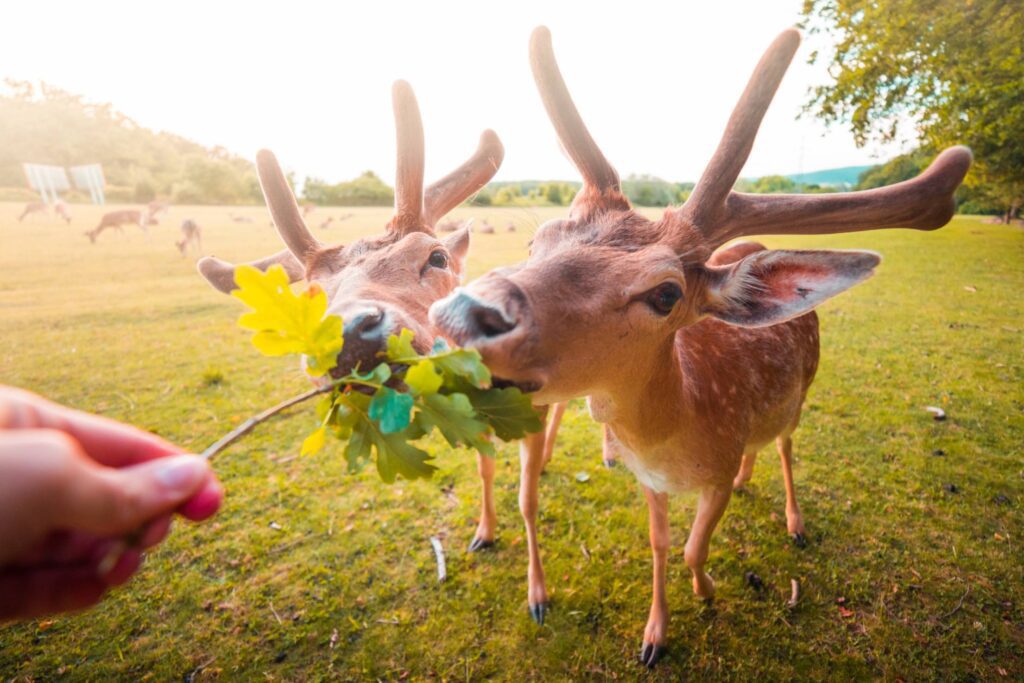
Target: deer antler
284, 209
718, 214
221, 274
409, 172
448, 192
601, 189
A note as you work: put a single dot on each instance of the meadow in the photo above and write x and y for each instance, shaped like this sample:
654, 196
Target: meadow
913, 570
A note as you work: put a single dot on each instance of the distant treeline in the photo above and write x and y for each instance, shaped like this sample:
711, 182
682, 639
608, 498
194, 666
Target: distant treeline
46, 125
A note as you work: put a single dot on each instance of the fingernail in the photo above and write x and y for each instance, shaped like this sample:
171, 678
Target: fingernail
181, 472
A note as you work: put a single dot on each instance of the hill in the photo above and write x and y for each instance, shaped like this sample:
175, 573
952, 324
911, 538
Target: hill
847, 175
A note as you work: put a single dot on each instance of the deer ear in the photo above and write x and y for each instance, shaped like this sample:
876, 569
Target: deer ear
770, 287
457, 245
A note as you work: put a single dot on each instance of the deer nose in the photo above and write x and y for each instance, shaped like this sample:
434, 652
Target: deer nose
488, 320
467, 318
364, 325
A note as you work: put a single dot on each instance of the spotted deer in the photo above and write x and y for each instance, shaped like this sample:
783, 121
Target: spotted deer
60, 209
191, 235
118, 219
379, 285
693, 356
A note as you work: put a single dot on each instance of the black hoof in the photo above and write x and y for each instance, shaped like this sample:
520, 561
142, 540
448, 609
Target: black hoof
479, 544
799, 540
538, 612
651, 654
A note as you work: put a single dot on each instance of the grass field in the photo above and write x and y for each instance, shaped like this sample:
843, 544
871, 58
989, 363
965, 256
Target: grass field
902, 579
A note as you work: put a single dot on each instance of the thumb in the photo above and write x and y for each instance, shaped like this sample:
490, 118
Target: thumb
108, 501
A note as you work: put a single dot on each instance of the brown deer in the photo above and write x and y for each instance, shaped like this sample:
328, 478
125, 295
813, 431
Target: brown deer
32, 209
191, 235
485, 228
694, 359
381, 284
62, 210
118, 219
511, 227
156, 207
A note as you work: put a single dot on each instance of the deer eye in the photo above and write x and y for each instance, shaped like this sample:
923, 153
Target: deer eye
663, 298
438, 259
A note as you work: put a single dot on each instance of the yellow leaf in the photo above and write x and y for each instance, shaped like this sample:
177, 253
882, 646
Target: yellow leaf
314, 442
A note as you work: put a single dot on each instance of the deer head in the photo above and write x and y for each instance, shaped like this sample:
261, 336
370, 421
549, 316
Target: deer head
605, 290
382, 284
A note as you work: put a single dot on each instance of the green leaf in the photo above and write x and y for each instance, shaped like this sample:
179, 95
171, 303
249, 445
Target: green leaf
395, 456
357, 452
401, 346
508, 411
391, 409
463, 364
454, 417
314, 442
379, 375
423, 378
285, 322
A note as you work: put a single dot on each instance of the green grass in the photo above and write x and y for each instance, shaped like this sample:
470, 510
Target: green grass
347, 589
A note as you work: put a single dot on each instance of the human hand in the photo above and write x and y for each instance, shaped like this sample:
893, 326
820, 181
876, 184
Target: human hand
72, 485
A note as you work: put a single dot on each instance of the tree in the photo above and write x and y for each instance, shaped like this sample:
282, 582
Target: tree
954, 71
773, 184
366, 190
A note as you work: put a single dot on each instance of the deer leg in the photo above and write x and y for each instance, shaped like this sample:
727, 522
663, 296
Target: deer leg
657, 623
794, 520
746, 471
484, 537
710, 507
551, 433
607, 446
531, 458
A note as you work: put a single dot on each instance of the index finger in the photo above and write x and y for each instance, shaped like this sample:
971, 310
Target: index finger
106, 441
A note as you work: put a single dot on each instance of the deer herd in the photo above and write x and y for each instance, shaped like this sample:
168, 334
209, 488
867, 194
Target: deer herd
692, 350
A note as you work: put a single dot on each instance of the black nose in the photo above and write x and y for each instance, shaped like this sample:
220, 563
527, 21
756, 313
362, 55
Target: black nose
364, 325
486, 320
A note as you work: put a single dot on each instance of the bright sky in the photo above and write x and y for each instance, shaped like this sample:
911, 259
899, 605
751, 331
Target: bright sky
655, 81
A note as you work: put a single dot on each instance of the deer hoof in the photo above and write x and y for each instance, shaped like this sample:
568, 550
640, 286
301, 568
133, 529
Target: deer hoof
538, 612
651, 654
479, 544
799, 540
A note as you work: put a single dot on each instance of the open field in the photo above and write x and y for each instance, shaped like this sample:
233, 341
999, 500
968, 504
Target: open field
902, 579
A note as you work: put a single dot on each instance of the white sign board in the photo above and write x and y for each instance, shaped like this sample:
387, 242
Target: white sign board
90, 177
48, 181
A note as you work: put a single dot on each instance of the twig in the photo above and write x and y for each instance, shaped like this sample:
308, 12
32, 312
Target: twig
956, 609
794, 596
247, 426
191, 675
442, 570
276, 615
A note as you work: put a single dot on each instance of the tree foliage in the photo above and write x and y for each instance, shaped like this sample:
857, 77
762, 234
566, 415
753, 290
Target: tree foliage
366, 190
955, 70
47, 125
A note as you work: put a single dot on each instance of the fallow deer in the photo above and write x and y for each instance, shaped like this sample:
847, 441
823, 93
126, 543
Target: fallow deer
693, 360
191, 235
156, 207
118, 219
61, 208
33, 208
511, 227
327, 223
382, 284
485, 228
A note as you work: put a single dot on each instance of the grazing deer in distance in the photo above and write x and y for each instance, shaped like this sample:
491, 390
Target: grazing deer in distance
156, 207
118, 219
33, 208
511, 227
191, 235
693, 358
60, 209
485, 228
327, 223
379, 285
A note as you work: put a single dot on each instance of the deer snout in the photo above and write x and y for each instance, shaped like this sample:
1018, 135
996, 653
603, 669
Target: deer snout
365, 330
470, 319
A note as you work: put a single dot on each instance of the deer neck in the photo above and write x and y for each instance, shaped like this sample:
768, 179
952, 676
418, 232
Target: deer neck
647, 412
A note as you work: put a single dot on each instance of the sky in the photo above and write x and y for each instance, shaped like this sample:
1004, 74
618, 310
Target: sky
654, 81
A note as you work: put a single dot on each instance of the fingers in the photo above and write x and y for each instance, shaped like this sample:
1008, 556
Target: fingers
205, 503
106, 441
34, 593
108, 501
